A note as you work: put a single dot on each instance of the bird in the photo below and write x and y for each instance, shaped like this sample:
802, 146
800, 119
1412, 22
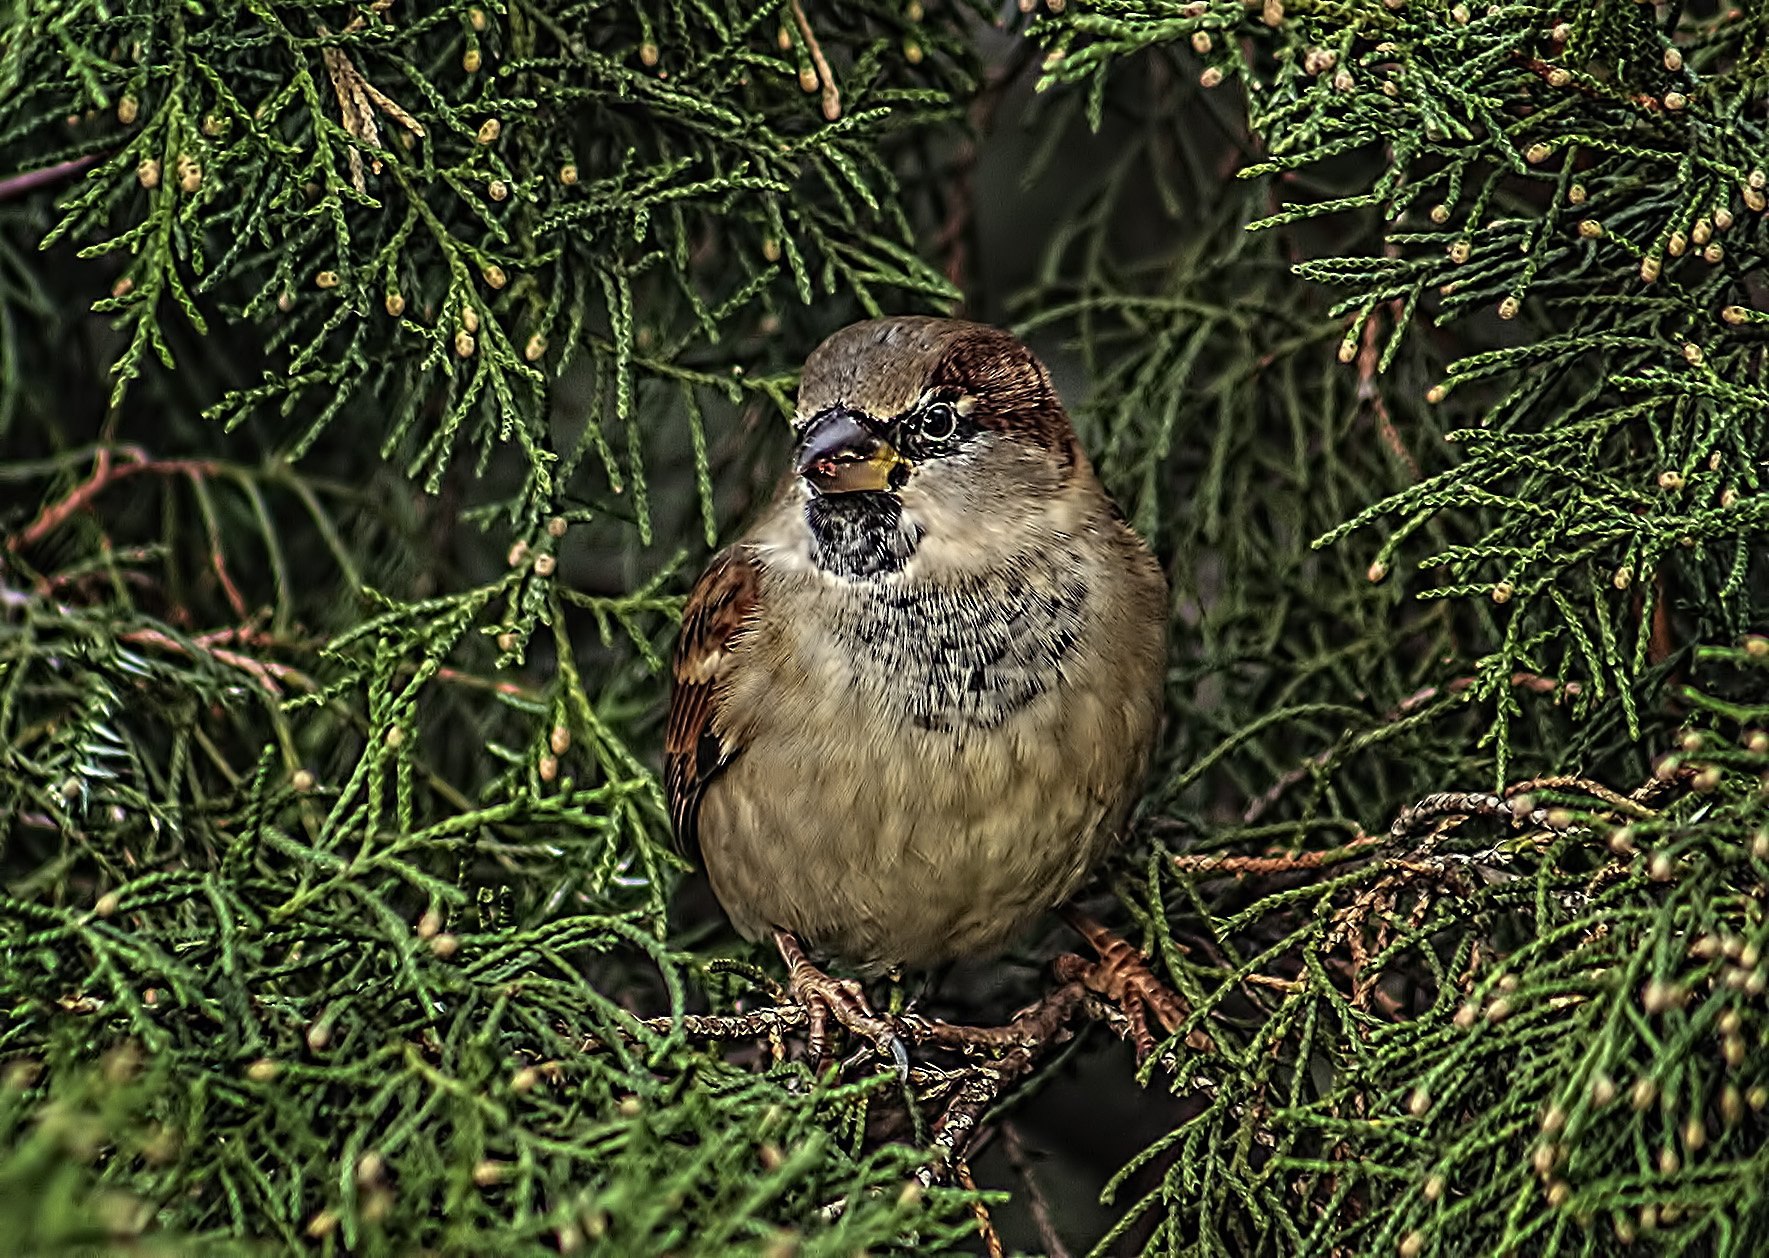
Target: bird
913, 704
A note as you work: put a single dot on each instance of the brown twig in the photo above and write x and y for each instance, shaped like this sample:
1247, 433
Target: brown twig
1217, 864
1667, 779
267, 673
1596, 790
958, 1124
1661, 642
1019, 1158
1368, 924
1516, 807
985, 1225
1445, 808
1028, 1030
512, 689
952, 239
832, 97
1378, 903
29, 181
358, 100
1369, 394
1120, 990
105, 472
998, 1056
218, 563
760, 1024
1585, 86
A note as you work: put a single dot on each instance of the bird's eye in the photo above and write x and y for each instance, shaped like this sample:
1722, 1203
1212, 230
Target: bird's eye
939, 422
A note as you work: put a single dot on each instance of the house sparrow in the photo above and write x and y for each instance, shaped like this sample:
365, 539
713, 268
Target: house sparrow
914, 703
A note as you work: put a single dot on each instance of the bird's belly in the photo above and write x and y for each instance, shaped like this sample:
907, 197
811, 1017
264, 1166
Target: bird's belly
900, 844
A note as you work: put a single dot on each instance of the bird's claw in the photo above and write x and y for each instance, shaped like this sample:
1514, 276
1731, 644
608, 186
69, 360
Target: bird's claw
899, 1052
1123, 976
825, 998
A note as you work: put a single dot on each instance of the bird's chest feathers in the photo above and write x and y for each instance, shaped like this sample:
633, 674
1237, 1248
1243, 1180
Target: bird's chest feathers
952, 655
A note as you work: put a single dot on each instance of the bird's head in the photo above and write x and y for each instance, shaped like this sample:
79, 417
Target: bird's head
913, 428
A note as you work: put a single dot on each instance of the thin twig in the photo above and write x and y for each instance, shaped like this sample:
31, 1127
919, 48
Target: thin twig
267, 673
1434, 811
760, 1024
832, 97
961, 191
512, 689
1370, 394
14, 186
1585, 785
1119, 990
985, 1225
1020, 1159
105, 472
957, 1127
358, 98
1219, 864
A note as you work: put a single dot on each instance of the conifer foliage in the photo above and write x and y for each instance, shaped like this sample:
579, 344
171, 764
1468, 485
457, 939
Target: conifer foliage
373, 377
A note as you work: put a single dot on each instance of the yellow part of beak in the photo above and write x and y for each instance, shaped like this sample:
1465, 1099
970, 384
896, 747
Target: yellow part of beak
839, 456
847, 476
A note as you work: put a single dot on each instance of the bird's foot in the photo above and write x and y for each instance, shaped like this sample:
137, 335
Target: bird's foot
825, 998
1123, 976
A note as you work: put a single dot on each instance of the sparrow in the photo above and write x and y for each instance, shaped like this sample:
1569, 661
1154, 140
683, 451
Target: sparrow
913, 704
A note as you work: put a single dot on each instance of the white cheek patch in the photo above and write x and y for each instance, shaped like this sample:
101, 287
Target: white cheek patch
972, 521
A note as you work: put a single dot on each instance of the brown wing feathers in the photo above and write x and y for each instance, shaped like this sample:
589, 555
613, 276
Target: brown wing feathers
718, 609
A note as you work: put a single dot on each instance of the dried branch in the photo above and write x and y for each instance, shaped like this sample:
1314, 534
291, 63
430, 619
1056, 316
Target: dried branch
985, 1225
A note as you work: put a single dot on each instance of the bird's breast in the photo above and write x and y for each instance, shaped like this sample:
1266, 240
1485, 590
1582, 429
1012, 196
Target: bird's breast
927, 765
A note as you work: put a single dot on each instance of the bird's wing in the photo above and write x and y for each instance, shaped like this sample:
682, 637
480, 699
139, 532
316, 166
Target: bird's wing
719, 608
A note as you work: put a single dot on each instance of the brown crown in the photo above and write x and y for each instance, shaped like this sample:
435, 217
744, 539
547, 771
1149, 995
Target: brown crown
883, 366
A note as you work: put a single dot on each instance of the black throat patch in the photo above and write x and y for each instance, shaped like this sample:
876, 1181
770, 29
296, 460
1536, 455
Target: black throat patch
860, 534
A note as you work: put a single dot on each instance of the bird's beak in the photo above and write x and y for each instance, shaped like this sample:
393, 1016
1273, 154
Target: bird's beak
841, 455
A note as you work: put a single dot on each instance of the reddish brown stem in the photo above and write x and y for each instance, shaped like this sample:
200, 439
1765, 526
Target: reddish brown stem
29, 181
105, 472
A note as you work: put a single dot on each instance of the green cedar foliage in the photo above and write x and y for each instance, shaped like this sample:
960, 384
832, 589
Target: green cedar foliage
1470, 521
341, 555
330, 820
